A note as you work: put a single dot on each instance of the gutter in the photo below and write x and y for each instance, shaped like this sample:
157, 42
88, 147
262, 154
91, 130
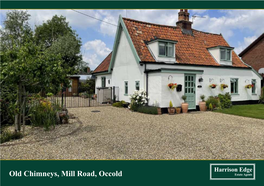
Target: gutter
184, 64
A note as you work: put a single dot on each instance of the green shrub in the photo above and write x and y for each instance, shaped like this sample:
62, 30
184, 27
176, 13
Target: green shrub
119, 104
210, 106
261, 97
170, 105
225, 100
184, 97
43, 113
202, 97
212, 100
7, 135
147, 110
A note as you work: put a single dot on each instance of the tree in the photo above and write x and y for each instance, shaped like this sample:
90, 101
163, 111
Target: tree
16, 28
26, 66
59, 38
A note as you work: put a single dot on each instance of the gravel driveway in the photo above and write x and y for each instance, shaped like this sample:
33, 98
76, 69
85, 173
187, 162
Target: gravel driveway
117, 133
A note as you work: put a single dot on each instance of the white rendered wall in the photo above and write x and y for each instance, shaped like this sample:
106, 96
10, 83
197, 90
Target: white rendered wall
215, 74
98, 81
154, 47
126, 68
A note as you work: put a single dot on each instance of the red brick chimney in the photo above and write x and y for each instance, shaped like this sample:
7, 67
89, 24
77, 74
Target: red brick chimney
183, 19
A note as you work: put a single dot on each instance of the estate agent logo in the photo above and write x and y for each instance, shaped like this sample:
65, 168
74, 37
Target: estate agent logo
232, 171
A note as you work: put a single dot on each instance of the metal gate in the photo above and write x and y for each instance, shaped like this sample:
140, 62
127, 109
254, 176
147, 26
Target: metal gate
72, 98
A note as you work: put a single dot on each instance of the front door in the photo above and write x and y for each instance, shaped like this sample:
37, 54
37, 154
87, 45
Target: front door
189, 90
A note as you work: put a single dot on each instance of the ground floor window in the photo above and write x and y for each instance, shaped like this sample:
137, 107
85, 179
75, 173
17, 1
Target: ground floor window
137, 85
234, 86
254, 86
126, 87
103, 81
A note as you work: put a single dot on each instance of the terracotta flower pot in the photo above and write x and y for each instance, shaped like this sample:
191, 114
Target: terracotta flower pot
171, 111
185, 107
159, 111
202, 106
178, 110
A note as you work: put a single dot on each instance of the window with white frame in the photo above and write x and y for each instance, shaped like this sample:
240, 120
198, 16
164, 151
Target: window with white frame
166, 49
137, 85
103, 81
126, 87
234, 85
225, 54
253, 86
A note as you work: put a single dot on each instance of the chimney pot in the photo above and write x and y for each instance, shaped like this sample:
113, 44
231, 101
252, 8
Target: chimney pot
183, 19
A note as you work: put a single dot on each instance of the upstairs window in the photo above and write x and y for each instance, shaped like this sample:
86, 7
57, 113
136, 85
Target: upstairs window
103, 81
166, 49
225, 54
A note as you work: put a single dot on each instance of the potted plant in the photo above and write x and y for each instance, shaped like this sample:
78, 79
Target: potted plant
212, 86
184, 105
171, 109
172, 86
249, 86
223, 86
178, 110
202, 104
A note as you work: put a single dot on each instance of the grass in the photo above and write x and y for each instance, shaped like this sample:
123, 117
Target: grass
252, 111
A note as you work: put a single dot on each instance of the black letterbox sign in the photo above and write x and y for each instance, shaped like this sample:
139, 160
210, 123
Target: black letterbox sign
179, 88
199, 86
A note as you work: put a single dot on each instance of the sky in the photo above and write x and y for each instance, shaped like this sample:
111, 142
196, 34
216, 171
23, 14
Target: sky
238, 27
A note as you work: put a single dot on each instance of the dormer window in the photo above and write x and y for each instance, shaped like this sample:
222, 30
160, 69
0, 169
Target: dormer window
166, 49
225, 54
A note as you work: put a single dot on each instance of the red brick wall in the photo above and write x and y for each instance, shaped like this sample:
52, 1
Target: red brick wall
255, 56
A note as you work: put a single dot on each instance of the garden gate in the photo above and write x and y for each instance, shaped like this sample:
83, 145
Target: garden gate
77, 97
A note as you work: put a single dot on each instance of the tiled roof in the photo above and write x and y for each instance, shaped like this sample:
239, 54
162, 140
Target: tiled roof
190, 49
103, 67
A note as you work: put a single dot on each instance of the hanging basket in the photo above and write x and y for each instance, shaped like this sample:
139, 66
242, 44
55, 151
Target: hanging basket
249, 86
172, 86
213, 86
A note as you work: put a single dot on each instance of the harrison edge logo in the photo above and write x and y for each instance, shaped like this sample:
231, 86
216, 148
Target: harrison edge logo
232, 171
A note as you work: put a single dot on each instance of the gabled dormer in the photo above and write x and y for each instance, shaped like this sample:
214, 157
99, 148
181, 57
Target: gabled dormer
162, 49
222, 54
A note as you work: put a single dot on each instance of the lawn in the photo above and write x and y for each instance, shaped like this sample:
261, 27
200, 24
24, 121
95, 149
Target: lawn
252, 111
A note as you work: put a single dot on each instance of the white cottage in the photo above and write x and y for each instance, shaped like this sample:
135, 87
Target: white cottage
150, 56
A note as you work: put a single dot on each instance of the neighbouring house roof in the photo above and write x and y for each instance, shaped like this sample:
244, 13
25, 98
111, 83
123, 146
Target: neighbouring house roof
103, 66
190, 49
251, 45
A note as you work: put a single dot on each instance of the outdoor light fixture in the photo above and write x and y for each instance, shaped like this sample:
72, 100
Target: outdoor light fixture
211, 79
221, 80
200, 79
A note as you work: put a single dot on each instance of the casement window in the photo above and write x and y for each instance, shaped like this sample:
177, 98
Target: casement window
137, 84
103, 81
254, 86
225, 54
166, 49
126, 88
234, 86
